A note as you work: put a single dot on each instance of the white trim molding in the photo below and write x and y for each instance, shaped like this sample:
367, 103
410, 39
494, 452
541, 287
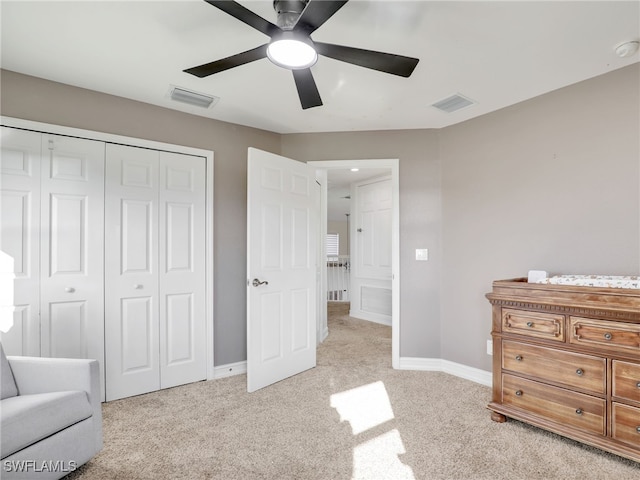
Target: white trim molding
452, 368
229, 370
371, 317
394, 165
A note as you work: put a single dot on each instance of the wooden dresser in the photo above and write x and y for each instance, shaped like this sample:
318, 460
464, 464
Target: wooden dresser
567, 359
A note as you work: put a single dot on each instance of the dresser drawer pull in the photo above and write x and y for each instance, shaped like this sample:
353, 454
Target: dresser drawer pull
578, 411
529, 324
579, 372
519, 358
519, 393
638, 429
638, 384
607, 336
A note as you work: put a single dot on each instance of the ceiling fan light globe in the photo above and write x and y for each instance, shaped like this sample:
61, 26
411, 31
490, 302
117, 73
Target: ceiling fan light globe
292, 54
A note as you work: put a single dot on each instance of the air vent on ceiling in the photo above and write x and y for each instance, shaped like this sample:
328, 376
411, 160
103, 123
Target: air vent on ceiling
190, 97
453, 103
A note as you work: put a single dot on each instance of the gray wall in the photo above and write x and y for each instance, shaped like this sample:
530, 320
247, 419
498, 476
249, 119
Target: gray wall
549, 184
490, 198
39, 100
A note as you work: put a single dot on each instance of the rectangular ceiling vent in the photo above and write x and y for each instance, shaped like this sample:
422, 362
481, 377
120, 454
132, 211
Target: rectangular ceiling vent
179, 94
453, 103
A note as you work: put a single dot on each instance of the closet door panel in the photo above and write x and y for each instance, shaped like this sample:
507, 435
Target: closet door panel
67, 330
19, 241
71, 248
138, 353
182, 273
137, 237
131, 272
68, 248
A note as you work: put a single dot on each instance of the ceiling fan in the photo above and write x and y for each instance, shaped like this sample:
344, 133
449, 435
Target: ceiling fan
291, 45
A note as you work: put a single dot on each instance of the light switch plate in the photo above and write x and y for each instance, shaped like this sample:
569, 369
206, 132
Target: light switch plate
422, 254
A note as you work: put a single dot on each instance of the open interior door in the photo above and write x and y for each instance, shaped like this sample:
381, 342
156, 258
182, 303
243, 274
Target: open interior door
281, 268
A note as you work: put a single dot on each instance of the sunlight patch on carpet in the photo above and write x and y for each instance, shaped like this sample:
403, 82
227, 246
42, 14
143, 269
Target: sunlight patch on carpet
379, 458
363, 407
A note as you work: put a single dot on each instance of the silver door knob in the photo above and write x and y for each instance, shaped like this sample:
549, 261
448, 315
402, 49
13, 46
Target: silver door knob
257, 283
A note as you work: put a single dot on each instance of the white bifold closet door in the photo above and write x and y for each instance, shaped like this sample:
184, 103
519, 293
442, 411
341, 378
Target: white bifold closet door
20, 242
51, 243
71, 248
155, 272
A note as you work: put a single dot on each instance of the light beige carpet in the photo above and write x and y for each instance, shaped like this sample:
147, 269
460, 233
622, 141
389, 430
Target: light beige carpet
351, 417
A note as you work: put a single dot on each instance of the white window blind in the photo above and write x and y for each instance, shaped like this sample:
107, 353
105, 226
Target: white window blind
333, 244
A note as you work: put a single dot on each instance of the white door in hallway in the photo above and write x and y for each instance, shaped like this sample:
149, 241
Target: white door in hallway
155, 277
372, 267
281, 268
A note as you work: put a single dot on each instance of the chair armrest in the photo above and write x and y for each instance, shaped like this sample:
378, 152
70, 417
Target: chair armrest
43, 375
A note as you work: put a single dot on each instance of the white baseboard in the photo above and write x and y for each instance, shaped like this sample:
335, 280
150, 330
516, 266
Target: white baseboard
324, 335
406, 363
440, 365
371, 317
229, 370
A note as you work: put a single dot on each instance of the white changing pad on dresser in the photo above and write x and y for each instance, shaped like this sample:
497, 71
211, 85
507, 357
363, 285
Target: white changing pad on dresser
609, 281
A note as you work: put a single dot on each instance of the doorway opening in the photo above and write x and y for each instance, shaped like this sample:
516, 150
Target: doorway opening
337, 181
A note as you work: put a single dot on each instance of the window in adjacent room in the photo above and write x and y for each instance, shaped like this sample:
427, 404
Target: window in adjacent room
333, 244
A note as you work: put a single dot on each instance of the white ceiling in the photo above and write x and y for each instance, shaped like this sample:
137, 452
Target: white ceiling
496, 53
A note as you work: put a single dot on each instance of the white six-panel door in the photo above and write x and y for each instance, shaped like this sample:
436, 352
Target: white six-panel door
371, 273
20, 242
182, 269
281, 241
155, 298
132, 332
71, 248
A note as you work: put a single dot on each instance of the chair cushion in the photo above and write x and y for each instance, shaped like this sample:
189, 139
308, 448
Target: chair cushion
8, 384
26, 419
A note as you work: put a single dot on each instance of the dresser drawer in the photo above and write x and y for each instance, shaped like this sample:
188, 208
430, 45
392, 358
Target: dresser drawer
533, 324
562, 406
626, 424
602, 333
572, 369
626, 380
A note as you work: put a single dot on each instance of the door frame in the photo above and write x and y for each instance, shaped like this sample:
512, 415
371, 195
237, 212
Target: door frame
138, 142
394, 165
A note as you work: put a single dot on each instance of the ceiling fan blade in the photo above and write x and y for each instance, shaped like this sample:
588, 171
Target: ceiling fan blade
246, 16
383, 62
226, 63
316, 13
307, 89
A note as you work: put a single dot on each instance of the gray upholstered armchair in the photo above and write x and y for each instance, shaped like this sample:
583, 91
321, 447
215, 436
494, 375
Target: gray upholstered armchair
50, 414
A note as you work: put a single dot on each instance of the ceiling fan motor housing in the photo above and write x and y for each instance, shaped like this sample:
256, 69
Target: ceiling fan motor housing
288, 12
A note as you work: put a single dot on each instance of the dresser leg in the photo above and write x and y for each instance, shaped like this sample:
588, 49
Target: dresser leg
498, 417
